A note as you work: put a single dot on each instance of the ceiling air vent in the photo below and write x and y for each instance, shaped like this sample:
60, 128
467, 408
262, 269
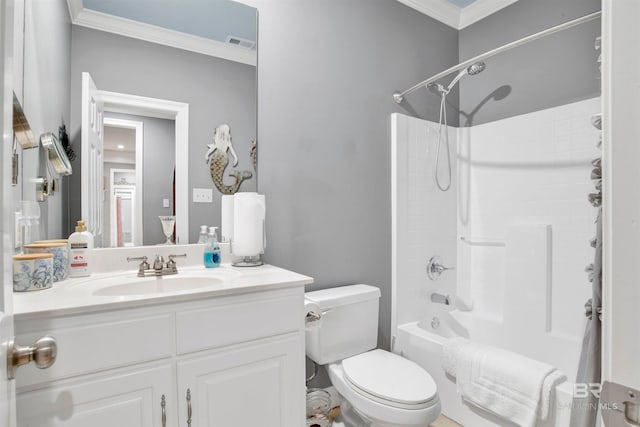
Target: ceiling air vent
248, 44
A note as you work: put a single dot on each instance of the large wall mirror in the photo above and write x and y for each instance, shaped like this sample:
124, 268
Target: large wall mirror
206, 63
164, 76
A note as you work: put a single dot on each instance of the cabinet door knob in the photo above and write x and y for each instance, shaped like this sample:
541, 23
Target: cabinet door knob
163, 405
43, 353
189, 407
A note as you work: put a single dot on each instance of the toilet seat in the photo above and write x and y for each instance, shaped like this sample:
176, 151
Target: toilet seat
390, 380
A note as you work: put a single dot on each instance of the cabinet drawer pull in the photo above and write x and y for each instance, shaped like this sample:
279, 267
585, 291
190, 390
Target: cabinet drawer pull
188, 407
163, 405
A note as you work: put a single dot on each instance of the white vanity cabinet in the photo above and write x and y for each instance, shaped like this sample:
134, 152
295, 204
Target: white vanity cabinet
132, 398
246, 385
239, 358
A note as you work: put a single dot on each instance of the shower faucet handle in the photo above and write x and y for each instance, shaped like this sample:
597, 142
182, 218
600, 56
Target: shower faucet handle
435, 268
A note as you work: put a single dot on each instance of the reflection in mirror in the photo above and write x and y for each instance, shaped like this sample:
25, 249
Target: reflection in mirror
201, 54
123, 219
136, 160
148, 136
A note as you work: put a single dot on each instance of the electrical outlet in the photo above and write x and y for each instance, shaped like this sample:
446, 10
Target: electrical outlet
202, 195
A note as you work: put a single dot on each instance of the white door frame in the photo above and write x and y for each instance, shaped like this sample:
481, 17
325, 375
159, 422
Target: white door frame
163, 109
139, 129
621, 199
7, 388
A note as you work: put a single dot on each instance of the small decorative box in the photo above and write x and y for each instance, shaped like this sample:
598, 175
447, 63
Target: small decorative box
32, 272
60, 252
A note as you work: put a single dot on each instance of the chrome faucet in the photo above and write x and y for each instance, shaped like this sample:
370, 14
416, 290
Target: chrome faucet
160, 268
158, 264
440, 299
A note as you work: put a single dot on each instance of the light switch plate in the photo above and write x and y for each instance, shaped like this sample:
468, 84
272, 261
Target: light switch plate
202, 195
165, 203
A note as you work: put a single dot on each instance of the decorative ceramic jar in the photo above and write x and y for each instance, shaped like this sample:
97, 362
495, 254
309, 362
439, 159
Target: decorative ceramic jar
60, 252
32, 272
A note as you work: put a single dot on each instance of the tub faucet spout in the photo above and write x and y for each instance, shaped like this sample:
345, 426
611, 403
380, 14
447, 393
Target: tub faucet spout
440, 299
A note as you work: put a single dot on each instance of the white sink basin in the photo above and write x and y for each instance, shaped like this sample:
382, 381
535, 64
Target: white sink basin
157, 285
129, 285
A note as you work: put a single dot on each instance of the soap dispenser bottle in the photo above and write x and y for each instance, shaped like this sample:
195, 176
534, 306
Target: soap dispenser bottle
204, 236
212, 256
80, 244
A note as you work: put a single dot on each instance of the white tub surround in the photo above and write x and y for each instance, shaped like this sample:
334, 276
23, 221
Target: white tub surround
424, 221
520, 244
220, 346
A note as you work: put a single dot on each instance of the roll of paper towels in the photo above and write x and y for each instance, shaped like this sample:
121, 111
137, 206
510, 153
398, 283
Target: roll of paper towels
248, 224
227, 218
312, 315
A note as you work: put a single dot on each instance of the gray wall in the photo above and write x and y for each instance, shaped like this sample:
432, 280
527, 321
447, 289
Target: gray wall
327, 69
553, 71
159, 146
217, 91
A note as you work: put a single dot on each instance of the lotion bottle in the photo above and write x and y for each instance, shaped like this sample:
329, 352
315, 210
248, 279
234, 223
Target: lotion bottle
212, 255
80, 246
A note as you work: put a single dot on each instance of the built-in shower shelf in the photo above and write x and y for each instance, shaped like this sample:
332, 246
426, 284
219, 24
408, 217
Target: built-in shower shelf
483, 241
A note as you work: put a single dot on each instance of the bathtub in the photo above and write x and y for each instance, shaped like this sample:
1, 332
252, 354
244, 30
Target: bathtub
420, 342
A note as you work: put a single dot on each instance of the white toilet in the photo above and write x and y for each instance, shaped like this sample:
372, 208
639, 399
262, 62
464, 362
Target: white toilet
384, 389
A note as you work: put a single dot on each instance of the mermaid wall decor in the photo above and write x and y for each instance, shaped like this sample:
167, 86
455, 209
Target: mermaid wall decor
217, 159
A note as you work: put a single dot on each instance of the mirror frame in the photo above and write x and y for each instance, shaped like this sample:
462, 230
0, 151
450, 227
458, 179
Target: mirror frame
163, 109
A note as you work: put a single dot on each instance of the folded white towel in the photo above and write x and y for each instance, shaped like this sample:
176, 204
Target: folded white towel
508, 384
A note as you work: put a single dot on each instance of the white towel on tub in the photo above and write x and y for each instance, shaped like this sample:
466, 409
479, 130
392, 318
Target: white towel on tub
508, 384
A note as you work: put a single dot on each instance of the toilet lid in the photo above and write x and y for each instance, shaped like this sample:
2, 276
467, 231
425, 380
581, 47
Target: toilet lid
390, 377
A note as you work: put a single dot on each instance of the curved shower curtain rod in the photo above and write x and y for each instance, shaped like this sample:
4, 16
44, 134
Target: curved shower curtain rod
399, 96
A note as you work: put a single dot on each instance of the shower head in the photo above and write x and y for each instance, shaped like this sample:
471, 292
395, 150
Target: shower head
472, 70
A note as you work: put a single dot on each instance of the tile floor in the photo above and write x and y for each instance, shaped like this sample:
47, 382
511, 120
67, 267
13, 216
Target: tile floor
442, 421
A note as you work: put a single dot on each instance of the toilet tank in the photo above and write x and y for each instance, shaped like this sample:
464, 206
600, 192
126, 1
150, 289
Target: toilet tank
349, 323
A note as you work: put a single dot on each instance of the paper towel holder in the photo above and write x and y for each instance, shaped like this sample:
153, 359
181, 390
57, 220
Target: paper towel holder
254, 260
249, 261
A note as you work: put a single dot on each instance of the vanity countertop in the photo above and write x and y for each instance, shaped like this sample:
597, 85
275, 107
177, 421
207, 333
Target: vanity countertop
123, 289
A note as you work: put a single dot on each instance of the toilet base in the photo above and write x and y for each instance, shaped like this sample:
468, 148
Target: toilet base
351, 417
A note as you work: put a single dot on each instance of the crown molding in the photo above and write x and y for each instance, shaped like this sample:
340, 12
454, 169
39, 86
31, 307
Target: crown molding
154, 34
481, 9
454, 16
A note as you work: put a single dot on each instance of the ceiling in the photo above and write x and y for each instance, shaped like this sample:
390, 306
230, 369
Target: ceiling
458, 13
114, 136
222, 28
213, 19
459, 3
